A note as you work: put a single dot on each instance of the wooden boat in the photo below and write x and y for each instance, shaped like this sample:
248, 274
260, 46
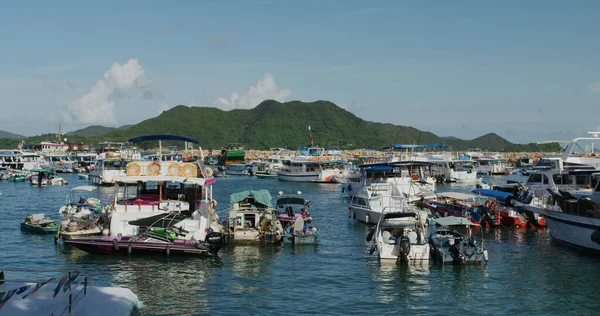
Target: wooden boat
38, 223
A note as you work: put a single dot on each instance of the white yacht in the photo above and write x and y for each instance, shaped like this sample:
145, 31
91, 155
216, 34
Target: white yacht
573, 216
448, 169
62, 162
493, 165
413, 178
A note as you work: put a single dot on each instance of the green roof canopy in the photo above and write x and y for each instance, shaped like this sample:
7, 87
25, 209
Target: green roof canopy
261, 196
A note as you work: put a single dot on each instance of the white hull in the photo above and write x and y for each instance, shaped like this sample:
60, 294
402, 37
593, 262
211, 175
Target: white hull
364, 215
316, 176
573, 230
463, 176
390, 253
105, 177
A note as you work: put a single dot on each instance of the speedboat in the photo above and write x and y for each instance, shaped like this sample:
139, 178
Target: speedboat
400, 237
159, 235
292, 212
449, 245
251, 219
464, 205
573, 218
61, 292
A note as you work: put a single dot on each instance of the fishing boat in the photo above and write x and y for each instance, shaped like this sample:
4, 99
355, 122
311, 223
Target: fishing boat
292, 212
493, 165
251, 219
38, 223
232, 154
85, 197
450, 245
400, 237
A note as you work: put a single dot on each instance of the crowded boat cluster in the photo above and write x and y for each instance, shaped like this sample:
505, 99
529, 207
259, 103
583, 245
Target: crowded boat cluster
162, 203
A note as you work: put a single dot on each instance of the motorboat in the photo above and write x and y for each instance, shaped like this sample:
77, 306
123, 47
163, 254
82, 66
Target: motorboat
493, 165
251, 219
573, 216
413, 178
465, 205
292, 213
400, 237
45, 177
84, 214
38, 292
159, 234
450, 245
239, 169
449, 169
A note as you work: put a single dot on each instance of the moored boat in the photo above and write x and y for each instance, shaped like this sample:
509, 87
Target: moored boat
449, 245
251, 219
38, 223
400, 237
292, 212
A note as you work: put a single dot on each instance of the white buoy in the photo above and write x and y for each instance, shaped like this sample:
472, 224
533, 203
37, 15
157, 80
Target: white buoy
349, 212
367, 218
105, 232
485, 255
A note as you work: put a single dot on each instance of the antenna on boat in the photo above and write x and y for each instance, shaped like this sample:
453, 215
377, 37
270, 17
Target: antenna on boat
310, 137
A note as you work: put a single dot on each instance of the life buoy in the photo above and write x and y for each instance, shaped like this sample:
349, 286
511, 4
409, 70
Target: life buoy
415, 177
189, 170
491, 205
133, 169
208, 172
154, 168
174, 168
587, 186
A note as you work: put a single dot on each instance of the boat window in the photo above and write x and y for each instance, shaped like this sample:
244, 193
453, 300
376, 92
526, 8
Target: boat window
535, 178
544, 179
595, 181
581, 180
249, 220
558, 179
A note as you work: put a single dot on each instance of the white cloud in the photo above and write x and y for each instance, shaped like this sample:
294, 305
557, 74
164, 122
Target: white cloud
265, 89
594, 87
98, 105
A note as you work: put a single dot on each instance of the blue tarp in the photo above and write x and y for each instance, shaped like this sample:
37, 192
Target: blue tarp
492, 193
163, 137
379, 168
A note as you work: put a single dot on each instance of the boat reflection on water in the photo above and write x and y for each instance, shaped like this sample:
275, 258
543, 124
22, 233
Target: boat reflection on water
251, 261
406, 285
180, 284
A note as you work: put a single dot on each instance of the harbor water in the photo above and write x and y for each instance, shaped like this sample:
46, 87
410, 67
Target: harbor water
527, 273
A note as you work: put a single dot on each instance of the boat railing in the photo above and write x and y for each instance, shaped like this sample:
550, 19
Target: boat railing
74, 285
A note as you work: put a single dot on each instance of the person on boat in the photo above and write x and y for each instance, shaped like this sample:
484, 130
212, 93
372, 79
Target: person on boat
289, 211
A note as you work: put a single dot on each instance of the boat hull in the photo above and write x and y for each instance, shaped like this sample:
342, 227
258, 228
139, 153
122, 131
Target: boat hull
574, 231
39, 229
363, 215
125, 247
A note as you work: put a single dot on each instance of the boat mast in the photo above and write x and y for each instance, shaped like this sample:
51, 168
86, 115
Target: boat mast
310, 137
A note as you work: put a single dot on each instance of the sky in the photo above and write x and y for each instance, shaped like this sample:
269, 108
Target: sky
525, 70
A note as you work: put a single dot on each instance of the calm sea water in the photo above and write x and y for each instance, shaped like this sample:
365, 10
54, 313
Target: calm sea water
527, 271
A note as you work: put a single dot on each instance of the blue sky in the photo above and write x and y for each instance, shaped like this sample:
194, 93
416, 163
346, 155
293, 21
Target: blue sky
526, 70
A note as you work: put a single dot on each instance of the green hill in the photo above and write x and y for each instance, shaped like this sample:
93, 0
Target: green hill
91, 131
4, 134
275, 124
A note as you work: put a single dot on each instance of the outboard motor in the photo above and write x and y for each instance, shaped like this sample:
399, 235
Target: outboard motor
404, 248
214, 241
458, 253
